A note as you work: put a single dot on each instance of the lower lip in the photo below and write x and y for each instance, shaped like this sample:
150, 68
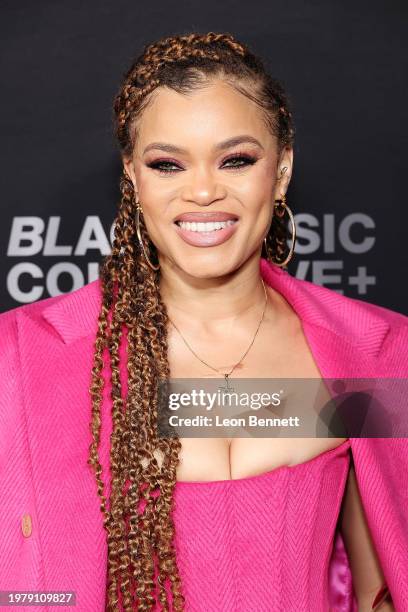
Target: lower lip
206, 239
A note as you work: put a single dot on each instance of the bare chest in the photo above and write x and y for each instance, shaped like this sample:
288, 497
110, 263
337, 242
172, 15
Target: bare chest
209, 459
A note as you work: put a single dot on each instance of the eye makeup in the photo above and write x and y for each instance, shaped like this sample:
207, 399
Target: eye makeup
239, 160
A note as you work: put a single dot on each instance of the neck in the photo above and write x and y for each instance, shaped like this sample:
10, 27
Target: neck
209, 304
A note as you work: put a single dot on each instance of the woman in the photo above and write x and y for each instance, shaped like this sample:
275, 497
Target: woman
206, 141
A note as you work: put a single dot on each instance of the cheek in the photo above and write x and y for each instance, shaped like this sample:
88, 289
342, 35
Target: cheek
258, 200
258, 185
149, 188
258, 203
155, 198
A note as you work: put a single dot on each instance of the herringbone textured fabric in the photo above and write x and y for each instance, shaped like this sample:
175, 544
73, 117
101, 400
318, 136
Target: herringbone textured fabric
261, 543
46, 351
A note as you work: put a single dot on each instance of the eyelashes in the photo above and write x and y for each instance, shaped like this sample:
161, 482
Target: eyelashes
166, 166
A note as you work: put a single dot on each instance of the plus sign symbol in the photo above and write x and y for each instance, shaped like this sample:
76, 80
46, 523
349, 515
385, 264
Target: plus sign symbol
362, 280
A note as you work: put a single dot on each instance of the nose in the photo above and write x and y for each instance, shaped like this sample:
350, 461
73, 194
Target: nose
202, 189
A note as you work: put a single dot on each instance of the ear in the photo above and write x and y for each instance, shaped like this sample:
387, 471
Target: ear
285, 160
128, 167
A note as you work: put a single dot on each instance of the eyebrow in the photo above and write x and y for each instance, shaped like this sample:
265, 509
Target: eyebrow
221, 146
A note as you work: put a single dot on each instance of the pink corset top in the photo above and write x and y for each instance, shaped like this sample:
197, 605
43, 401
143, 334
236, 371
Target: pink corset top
261, 543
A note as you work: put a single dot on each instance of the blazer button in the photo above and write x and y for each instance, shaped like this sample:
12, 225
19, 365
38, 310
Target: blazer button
26, 525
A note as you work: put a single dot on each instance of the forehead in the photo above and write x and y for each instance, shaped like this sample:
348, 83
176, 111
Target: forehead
210, 114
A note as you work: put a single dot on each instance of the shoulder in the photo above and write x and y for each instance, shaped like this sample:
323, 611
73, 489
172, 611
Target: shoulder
397, 321
8, 335
31, 332
327, 307
70, 315
9, 319
336, 301
368, 323
376, 333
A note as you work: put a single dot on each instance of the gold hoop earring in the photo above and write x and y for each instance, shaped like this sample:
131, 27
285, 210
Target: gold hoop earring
280, 207
139, 236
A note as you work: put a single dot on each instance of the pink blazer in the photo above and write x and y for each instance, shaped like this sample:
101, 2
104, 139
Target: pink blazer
51, 531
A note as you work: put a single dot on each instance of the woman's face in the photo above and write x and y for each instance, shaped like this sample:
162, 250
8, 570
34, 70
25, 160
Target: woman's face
205, 170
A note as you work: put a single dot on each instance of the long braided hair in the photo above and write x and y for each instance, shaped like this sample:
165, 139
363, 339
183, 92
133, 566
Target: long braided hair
142, 564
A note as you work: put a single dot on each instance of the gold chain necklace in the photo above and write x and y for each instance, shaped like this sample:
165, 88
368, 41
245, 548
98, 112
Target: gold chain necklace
227, 375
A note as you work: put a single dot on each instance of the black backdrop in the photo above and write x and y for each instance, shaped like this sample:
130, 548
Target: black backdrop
344, 65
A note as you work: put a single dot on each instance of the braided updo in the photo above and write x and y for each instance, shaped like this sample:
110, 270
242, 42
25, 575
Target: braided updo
142, 566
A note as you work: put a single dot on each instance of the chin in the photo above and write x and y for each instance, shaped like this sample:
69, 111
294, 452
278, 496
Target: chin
208, 266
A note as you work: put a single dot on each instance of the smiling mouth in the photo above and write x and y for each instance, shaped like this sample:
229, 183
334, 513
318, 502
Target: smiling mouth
208, 226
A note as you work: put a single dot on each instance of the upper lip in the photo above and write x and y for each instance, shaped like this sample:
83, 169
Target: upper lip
205, 216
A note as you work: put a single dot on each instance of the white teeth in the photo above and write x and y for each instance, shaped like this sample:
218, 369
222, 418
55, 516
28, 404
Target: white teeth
205, 227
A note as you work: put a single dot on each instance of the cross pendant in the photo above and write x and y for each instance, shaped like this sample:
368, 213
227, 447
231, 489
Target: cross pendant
227, 388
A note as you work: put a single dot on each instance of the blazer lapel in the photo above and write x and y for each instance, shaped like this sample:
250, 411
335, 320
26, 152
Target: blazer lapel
345, 338
76, 314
